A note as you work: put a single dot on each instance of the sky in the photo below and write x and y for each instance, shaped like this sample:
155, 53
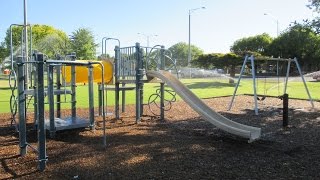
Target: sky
213, 29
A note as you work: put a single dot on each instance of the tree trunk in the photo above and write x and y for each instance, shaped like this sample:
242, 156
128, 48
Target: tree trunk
232, 74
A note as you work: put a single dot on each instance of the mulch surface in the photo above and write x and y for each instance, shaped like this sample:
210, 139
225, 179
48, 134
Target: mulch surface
183, 146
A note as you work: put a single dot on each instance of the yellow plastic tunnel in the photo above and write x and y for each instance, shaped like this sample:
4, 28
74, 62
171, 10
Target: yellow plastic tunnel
82, 72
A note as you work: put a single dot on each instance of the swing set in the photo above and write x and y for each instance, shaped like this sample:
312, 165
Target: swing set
252, 60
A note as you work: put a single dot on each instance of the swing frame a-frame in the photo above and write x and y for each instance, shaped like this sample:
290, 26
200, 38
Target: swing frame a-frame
251, 59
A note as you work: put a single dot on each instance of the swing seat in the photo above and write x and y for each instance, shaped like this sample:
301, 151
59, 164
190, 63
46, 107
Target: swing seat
261, 99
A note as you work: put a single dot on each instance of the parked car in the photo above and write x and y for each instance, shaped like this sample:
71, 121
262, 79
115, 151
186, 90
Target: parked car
188, 72
207, 73
316, 75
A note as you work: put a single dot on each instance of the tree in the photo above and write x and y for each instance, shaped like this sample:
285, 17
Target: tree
82, 42
52, 45
180, 53
258, 43
299, 41
40, 35
314, 23
3, 52
314, 5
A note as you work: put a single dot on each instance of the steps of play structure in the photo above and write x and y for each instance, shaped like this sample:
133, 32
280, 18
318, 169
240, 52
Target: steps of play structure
68, 123
252, 133
126, 81
55, 92
121, 88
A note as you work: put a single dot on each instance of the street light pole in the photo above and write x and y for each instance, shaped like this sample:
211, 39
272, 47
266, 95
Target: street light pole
277, 21
148, 37
25, 39
189, 44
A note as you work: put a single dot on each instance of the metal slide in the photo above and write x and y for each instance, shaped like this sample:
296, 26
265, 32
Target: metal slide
252, 133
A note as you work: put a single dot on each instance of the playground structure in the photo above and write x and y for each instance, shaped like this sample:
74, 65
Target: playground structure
252, 60
27, 82
130, 67
39, 81
39, 92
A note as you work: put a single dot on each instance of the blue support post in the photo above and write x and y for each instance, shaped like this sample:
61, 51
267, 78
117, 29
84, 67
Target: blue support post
254, 85
100, 99
162, 101
123, 98
42, 156
162, 67
285, 114
51, 101
58, 83
141, 74
238, 83
138, 84
91, 101
117, 92
73, 89
21, 108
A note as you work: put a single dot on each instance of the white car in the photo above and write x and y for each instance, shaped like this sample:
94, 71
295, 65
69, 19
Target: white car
191, 73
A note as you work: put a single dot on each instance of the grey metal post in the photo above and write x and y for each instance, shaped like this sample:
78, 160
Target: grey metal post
162, 67
162, 101
117, 59
138, 98
25, 39
30, 48
277, 68
73, 90
239, 79
123, 98
141, 74
162, 58
304, 82
189, 42
287, 77
254, 85
42, 157
117, 99
100, 99
58, 82
103, 46
35, 98
285, 114
21, 108
51, 100
91, 101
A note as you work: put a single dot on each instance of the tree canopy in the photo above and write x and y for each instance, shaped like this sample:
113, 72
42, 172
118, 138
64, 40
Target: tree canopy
42, 39
52, 41
82, 42
180, 53
298, 41
259, 43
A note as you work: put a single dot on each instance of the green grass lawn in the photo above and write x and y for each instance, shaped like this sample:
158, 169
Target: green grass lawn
203, 88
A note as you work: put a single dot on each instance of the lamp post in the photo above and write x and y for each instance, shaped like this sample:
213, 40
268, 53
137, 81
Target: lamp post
25, 39
148, 37
189, 50
276, 20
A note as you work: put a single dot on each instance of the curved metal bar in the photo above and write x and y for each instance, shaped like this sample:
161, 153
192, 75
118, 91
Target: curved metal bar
105, 43
102, 45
